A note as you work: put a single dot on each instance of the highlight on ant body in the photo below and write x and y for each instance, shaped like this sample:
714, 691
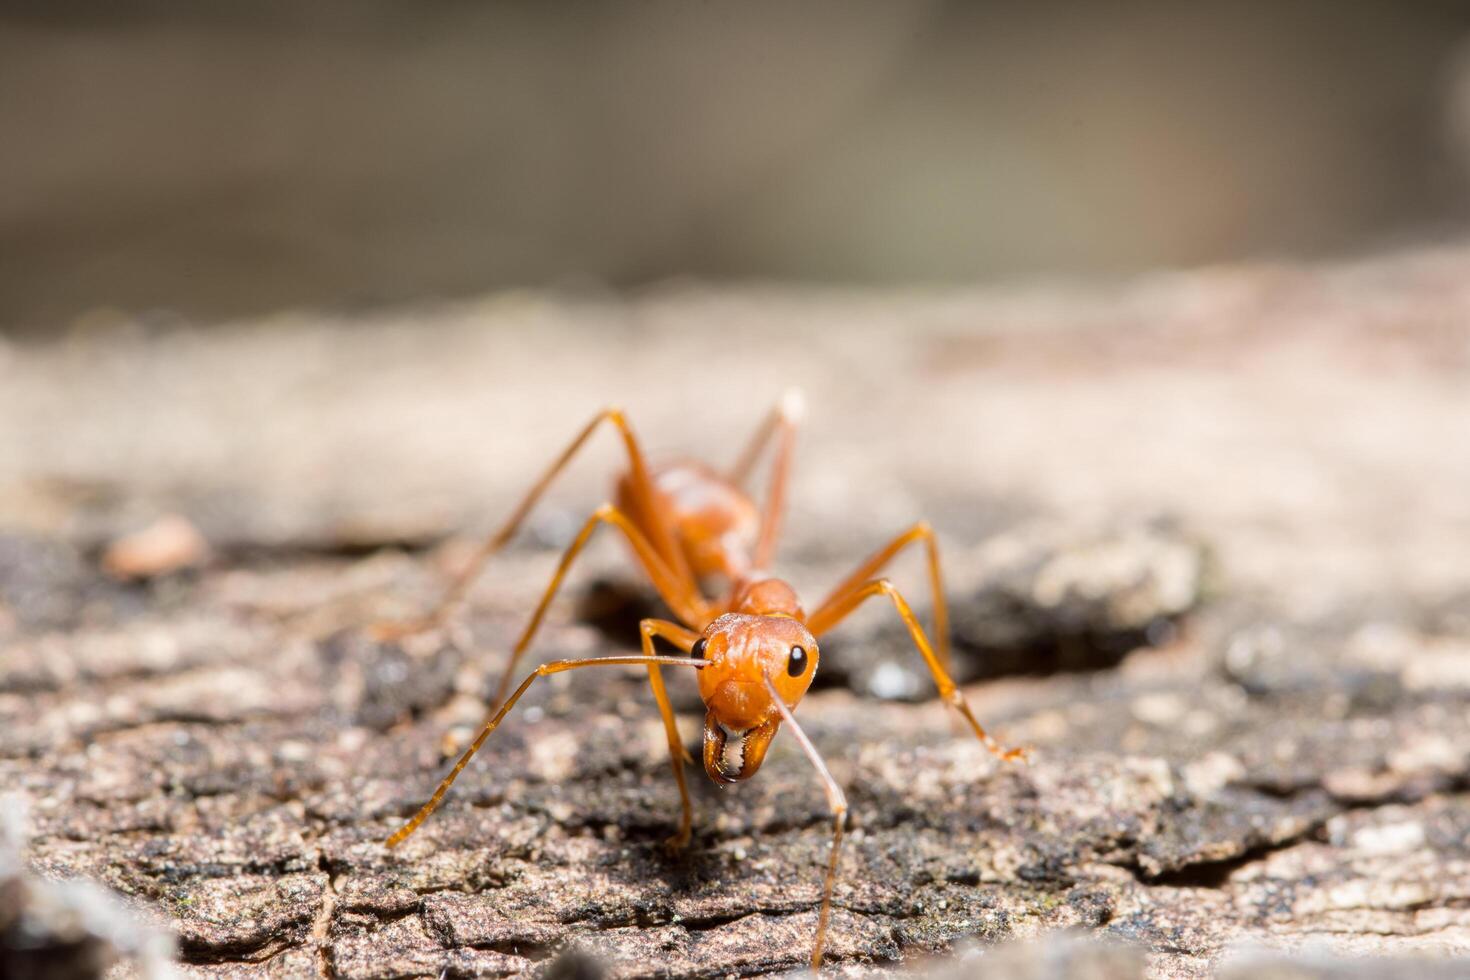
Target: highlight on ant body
755, 649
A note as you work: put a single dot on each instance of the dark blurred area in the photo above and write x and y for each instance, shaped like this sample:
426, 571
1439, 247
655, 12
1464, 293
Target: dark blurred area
224, 159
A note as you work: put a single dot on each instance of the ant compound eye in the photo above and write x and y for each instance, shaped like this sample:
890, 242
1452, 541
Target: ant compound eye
697, 651
796, 665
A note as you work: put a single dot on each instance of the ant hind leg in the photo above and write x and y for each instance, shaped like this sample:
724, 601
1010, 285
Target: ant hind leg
661, 535
783, 420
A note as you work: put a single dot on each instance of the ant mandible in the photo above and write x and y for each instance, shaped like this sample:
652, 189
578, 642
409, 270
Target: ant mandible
755, 648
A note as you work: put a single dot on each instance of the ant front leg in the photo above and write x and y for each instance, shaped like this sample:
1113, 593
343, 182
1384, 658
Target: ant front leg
680, 594
555, 667
837, 609
678, 755
661, 534
836, 802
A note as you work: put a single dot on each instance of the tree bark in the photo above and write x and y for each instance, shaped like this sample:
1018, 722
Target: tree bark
1206, 538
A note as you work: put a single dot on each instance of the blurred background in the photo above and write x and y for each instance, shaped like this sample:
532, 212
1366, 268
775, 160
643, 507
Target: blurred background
1159, 312
225, 159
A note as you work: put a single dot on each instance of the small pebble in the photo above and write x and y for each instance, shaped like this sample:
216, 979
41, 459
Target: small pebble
170, 544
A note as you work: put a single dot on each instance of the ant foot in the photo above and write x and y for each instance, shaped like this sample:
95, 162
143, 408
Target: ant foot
1019, 754
675, 844
1022, 755
391, 631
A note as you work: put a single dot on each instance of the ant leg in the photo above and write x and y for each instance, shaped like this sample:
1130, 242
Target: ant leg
835, 610
684, 639
836, 801
874, 564
555, 667
662, 536
788, 410
680, 596
784, 418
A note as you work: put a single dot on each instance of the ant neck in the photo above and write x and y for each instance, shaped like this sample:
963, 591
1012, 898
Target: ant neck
767, 596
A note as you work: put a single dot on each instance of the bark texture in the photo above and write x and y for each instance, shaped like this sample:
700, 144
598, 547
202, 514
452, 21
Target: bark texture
1207, 544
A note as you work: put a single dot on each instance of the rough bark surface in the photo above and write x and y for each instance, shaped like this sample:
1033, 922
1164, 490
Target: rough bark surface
1207, 541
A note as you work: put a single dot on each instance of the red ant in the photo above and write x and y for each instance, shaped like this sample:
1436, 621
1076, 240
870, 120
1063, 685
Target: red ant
755, 649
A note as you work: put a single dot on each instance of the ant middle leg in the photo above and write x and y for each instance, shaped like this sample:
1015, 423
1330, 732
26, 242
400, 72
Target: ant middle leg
837, 609
875, 563
659, 532
680, 594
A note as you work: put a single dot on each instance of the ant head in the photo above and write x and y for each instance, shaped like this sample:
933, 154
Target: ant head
740, 650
